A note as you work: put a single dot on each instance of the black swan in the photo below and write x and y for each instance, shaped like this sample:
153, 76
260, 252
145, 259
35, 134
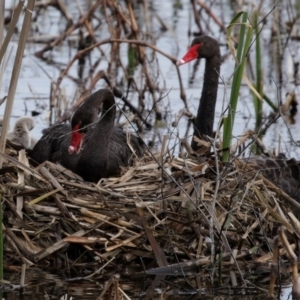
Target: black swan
208, 48
91, 147
21, 135
280, 171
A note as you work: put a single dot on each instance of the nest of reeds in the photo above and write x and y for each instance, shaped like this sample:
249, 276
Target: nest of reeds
191, 219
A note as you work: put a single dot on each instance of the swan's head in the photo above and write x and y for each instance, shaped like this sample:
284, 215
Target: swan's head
86, 115
82, 119
202, 47
77, 139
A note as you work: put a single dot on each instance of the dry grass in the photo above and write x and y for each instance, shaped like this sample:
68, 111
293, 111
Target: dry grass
188, 219
193, 223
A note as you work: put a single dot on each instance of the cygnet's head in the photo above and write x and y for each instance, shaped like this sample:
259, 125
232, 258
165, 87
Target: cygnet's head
21, 133
25, 123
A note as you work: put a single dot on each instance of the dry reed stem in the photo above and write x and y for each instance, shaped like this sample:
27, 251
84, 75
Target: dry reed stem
13, 23
15, 75
274, 268
293, 260
21, 174
2, 14
69, 30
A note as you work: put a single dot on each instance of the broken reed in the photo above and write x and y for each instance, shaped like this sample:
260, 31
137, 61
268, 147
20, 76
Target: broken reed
244, 43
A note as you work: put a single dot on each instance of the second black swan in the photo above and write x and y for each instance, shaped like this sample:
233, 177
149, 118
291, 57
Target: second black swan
280, 171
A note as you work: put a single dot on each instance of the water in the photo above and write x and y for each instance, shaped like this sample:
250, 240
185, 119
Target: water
34, 84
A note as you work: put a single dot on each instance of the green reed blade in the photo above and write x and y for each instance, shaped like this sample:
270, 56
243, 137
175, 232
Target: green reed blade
241, 56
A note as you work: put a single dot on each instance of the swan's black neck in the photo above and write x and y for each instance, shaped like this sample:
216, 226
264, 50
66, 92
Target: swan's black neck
206, 111
87, 113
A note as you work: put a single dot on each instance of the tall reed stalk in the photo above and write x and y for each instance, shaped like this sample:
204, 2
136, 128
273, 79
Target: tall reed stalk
15, 75
2, 9
12, 86
240, 57
259, 73
11, 29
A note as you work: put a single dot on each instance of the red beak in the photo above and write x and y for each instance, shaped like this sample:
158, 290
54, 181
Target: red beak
190, 55
76, 141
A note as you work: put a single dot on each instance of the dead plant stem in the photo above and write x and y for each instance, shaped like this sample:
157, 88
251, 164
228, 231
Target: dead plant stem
15, 76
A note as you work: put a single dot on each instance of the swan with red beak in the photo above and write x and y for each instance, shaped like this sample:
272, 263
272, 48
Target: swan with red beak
92, 146
207, 48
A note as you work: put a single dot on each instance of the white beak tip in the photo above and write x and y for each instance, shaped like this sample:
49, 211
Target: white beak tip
180, 62
71, 149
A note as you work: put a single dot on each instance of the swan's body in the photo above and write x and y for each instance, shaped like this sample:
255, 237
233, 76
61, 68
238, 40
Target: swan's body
282, 172
20, 135
91, 150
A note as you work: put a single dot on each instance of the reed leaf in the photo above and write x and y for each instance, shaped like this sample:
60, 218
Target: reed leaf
240, 58
271, 103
